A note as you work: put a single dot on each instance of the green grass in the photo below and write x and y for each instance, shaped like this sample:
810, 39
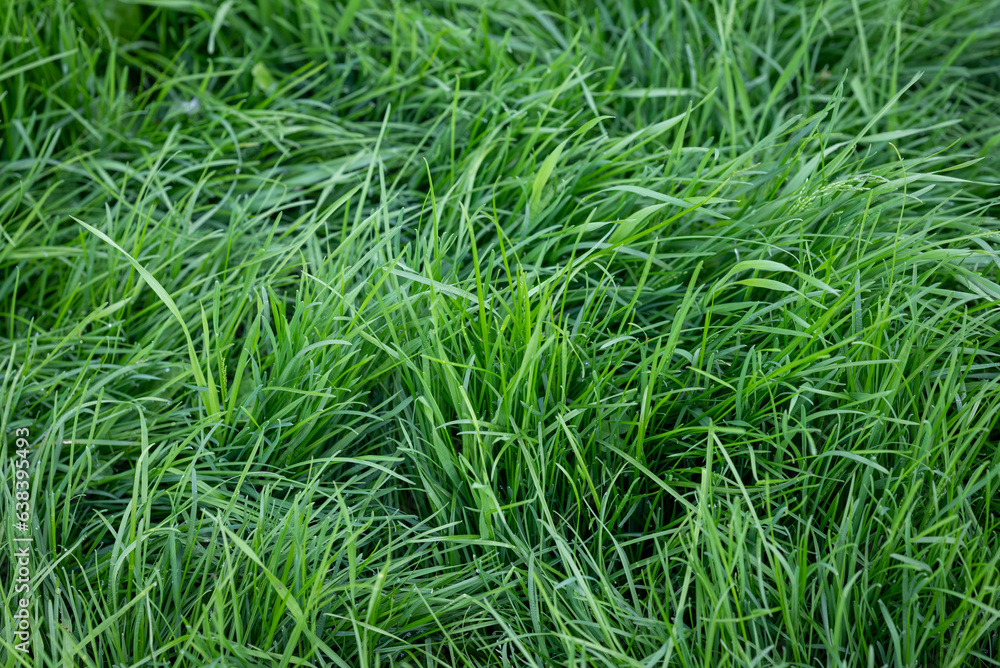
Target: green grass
525, 333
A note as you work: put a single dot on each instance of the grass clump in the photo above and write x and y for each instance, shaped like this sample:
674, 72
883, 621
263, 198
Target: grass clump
503, 334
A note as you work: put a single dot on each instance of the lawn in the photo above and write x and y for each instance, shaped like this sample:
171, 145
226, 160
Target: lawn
516, 333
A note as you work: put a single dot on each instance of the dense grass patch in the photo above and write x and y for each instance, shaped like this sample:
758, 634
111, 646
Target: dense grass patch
509, 334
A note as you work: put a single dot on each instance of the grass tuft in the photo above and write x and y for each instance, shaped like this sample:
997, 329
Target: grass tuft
535, 333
